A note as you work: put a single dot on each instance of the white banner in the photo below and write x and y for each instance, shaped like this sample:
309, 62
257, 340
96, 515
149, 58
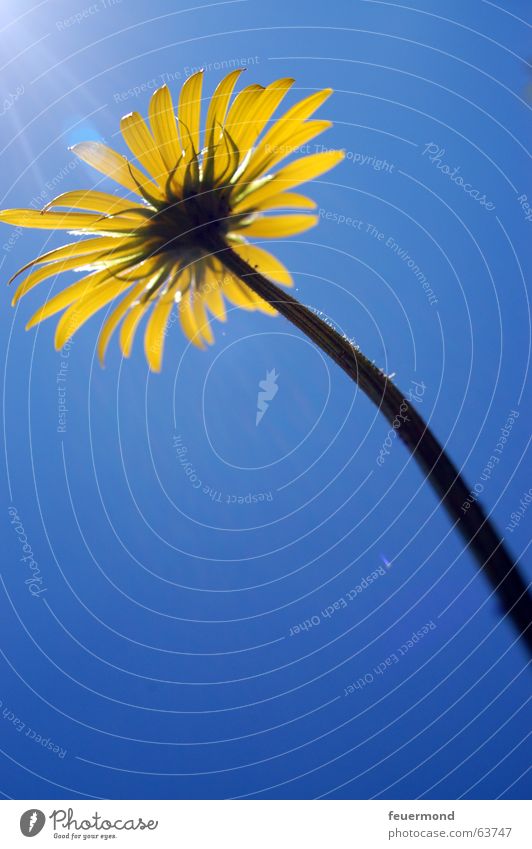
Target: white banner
266, 824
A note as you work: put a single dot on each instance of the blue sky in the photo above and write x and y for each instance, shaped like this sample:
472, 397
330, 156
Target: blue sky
179, 544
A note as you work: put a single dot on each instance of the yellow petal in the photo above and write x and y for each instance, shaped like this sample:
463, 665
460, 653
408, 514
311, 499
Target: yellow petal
143, 291
80, 249
241, 295
264, 109
225, 160
178, 280
306, 107
278, 136
164, 127
294, 174
284, 200
202, 322
264, 263
219, 104
288, 137
48, 220
215, 303
142, 145
155, 333
80, 312
113, 320
68, 296
239, 117
188, 322
97, 201
178, 176
133, 224
260, 303
114, 165
110, 259
280, 225
189, 113
217, 142
144, 268
39, 274
74, 221
212, 294
129, 326
237, 293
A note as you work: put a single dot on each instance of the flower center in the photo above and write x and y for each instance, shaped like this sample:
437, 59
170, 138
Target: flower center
193, 223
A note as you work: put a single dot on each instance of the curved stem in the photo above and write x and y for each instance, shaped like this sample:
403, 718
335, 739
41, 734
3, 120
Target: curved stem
477, 530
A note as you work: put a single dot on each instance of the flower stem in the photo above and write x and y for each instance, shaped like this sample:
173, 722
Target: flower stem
477, 530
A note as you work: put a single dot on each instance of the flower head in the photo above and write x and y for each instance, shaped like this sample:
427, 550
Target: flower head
190, 197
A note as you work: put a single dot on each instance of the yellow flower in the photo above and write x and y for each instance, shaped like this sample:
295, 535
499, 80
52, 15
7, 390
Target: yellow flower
164, 248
